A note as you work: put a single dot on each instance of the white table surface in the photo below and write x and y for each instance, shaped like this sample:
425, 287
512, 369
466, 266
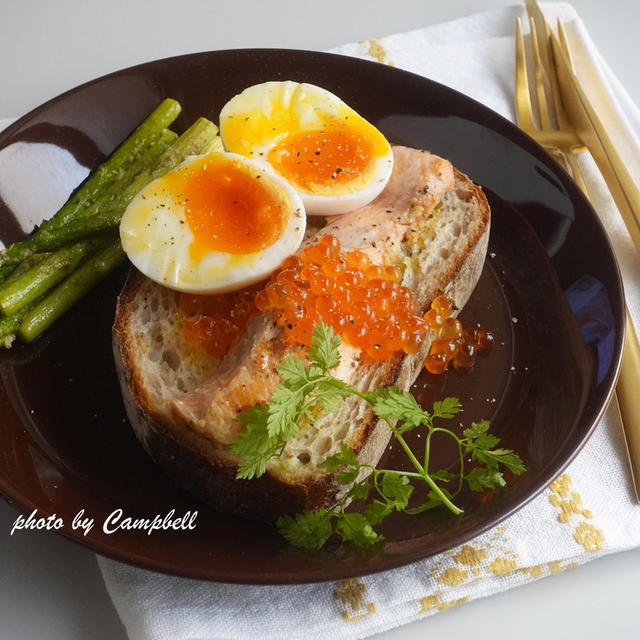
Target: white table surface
51, 588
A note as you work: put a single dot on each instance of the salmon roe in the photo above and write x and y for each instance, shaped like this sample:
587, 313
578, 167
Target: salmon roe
454, 344
213, 321
363, 303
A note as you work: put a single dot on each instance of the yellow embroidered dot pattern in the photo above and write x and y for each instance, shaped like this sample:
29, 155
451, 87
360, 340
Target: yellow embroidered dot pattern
433, 602
377, 51
535, 571
590, 537
561, 485
474, 562
351, 592
470, 556
453, 577
569, 502
502, 566
551, 568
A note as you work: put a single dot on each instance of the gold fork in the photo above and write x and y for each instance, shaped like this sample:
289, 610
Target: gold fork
561, 140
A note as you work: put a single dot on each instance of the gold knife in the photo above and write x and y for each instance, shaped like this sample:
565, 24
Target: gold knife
627, 199
590, 128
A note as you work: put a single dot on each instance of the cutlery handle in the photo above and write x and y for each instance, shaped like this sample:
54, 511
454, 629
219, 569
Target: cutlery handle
628, 392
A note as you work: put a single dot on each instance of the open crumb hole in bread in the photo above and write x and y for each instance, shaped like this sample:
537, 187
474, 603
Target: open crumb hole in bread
171, 358
324, 445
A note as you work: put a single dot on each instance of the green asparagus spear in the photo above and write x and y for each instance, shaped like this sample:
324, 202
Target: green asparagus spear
148, 157
70, 290
80, 229
10, 324
19, 291
201, 137
151, 127
150, 134
6, 271
55, 236
24, 266
27, 264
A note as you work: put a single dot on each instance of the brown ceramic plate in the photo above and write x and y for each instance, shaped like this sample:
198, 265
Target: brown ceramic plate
66, 444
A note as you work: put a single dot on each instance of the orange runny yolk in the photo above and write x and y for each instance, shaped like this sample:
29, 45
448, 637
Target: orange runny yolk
326, 158
228, 206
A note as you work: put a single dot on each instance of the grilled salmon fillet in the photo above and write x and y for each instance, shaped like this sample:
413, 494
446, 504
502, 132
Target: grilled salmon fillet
430, 220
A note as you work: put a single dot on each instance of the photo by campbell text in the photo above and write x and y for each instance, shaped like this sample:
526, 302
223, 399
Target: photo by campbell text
116, 521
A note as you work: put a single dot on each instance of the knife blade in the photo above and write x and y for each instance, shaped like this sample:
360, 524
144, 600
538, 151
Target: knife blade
627, 198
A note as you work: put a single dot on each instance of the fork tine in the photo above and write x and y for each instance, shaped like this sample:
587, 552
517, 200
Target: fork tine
534, 11
548, 61
543, 108
565, 44
524, 112
561, 114
563, 119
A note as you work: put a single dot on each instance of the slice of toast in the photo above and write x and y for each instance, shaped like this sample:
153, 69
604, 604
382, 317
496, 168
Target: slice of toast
442, 251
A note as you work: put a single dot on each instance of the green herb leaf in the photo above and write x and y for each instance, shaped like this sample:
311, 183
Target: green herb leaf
309, 530
324, 347
331, 392
355, 528
294, 373
484, 442
434, 501
396, 489
254, 451
330, 402
446, 408
505, 457
443, 476
360, 490
284, 407
376, 511
348, 476
476, 429
346, 455
253, 445
394, 404
481, 478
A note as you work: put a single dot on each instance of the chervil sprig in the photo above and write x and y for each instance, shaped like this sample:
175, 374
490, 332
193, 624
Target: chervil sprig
309, 385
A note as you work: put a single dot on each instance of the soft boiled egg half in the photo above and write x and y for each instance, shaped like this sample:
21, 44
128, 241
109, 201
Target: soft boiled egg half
216, 223
333, 157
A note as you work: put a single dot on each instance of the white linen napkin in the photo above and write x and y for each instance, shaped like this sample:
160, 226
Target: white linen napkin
587, 512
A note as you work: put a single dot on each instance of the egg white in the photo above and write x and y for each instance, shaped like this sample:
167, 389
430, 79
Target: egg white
268, 112
156, 237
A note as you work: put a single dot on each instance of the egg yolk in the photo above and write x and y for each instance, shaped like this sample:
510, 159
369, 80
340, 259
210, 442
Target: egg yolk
229, 207
325, 159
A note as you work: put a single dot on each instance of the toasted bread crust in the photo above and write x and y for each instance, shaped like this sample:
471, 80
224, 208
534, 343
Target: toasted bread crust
207, 470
